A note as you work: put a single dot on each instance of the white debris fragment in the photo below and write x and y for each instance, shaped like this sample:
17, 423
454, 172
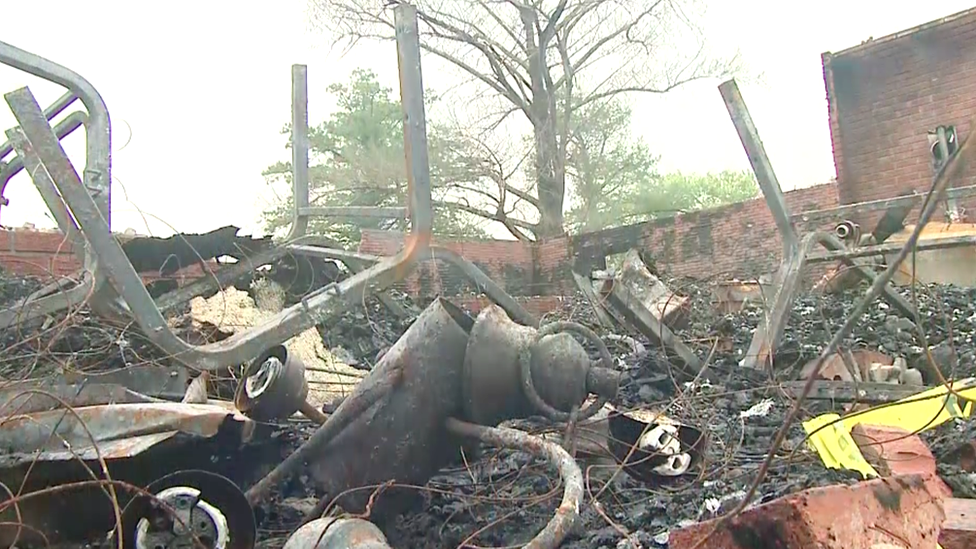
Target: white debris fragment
234, 311
758, 410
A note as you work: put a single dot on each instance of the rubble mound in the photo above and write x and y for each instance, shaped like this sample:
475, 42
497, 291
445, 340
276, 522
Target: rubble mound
502, 498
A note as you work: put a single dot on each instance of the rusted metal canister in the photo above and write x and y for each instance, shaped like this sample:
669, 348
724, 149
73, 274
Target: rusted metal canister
401, 437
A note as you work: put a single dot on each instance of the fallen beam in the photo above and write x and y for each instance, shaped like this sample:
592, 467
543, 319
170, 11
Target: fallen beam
847, 391
882, 249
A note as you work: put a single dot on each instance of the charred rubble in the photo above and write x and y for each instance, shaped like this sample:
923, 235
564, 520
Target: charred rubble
503, 497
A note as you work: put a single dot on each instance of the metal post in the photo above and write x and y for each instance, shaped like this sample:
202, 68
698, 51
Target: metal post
952, 206
761, 165
414, 124
299, 150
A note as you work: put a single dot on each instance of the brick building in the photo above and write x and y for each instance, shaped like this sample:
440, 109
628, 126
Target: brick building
884, 97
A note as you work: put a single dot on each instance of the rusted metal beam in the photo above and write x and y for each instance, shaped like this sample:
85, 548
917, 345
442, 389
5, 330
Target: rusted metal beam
299, 150
634, 312
761, 165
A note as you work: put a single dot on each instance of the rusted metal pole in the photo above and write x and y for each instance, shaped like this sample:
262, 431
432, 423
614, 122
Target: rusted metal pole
761, 165
299, 150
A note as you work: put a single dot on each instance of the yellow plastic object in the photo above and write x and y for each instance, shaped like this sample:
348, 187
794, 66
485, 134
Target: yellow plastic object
915, 414
836, 447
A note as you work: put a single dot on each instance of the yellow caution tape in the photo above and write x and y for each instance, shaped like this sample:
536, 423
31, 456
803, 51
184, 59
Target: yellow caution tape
832, 440
830, 435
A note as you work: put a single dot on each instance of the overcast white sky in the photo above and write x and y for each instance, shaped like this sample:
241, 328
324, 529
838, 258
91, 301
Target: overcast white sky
198, 92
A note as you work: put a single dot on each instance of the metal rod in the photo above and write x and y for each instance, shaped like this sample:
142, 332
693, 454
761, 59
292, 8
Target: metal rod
414, 123
47, 190
50, 112
370, 212
98, 152
761, 165
329, 253
221, 278
63, 129
299, 150
34, 307
482, 281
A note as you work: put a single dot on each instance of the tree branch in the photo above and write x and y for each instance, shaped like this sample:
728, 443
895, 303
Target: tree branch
500, 217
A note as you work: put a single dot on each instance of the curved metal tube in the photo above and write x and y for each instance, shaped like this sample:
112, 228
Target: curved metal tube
98, 152
315, 307
569, 472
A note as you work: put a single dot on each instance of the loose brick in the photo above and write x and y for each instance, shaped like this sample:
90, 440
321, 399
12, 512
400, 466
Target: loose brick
899, 452
959, 528
894, 510
896, 451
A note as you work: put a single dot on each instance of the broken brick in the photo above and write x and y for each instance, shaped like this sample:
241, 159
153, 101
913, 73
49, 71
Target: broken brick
959, 528
899, 510
894, 451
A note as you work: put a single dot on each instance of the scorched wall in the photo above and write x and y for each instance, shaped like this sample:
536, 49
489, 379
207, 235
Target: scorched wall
885, 95
739, 240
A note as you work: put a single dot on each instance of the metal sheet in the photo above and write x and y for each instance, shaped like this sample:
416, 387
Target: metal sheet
119, 430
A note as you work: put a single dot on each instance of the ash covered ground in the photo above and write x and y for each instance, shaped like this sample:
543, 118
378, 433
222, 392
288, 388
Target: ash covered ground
506, 497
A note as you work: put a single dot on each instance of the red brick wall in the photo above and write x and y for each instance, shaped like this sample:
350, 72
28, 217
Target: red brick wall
736, 240
47, 254
885, 95
36, 253
510, 264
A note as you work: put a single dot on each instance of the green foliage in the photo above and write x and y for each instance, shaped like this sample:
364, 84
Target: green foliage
688, 192
356, 158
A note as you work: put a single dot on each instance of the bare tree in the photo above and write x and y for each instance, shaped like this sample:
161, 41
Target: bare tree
545, 59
